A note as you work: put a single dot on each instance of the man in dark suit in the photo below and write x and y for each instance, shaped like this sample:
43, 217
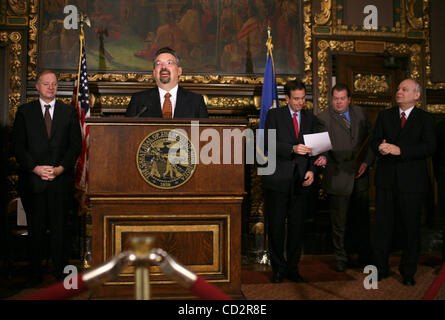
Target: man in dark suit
439, 173
403, 140
176, 101
46, 142
286, 188
346, 178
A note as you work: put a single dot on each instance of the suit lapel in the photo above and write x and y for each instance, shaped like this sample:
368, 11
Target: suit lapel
304, 124
56, 118
336, 117
354, 122
409, 122
38, 115
154, 97
287, 119
180, 98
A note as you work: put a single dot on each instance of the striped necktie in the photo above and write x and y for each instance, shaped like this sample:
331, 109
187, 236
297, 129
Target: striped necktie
347, 123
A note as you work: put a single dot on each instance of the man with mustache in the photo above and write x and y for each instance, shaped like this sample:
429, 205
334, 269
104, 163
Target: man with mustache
168, 99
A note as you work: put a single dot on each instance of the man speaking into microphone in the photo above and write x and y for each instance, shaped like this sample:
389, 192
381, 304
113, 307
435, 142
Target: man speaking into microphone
168, 99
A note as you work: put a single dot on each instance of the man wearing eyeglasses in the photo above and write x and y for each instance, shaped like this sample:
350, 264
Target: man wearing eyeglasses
168, 99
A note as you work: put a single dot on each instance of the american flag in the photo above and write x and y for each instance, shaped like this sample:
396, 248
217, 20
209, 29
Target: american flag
81, 101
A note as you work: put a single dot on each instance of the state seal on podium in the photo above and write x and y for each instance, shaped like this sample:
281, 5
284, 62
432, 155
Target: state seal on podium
166, 159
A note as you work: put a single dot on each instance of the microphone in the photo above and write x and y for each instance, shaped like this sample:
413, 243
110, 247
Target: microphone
143, 109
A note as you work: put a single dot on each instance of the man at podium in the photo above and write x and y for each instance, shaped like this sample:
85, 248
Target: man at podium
168, 99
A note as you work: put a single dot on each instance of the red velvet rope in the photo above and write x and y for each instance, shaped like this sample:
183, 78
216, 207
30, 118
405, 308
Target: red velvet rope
200, 288
58, 291
207, 291
436, 285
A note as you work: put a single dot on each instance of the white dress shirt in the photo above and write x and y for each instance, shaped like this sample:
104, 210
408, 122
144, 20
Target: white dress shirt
51, 109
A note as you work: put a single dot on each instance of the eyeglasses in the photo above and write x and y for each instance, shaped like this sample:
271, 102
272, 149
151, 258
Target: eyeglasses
159, 63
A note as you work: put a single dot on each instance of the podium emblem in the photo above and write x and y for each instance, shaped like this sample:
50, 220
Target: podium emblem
166, 159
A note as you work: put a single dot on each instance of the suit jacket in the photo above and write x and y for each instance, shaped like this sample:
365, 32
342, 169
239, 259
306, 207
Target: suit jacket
188, 104
341, 168
32, 147
408, 171
290, 167
439, 156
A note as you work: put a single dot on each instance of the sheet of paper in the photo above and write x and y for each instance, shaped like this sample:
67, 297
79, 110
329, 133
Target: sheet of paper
319, 142
21, 215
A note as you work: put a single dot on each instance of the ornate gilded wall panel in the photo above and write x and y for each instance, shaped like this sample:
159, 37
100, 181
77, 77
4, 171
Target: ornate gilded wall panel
371, 83
426, 22
340, 28
15, 70
325, 47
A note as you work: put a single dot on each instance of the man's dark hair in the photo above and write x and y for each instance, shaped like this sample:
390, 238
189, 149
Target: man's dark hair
166, 50
293, 85
340, 87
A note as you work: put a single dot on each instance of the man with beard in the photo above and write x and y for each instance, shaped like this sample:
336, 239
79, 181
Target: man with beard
168, 99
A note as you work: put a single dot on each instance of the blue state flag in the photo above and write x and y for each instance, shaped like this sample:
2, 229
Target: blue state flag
269, 95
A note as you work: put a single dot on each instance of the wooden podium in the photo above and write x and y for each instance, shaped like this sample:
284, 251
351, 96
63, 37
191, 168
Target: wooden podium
197, 222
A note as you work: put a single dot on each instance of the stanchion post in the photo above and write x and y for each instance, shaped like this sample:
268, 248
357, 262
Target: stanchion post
141, 248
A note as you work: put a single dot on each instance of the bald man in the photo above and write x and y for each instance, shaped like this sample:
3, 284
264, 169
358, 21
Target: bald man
403, 140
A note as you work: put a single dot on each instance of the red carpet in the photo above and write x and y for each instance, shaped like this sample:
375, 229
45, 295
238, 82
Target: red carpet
312, 271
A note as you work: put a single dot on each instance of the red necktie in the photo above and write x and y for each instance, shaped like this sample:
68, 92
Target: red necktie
403, 120
47, 118
295, 124
167, 107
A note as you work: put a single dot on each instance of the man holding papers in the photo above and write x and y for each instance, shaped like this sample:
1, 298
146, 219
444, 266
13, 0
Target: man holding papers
346, 178
286, 188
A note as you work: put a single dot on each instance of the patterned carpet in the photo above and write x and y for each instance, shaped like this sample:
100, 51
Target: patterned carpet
323, 283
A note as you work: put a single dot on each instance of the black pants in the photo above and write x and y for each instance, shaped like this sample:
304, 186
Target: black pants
441, 195
280, 207
350, 225
48, 211
395, 207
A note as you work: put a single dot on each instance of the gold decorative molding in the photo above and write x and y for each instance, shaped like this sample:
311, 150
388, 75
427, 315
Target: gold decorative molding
324, 16
436, 108
397, 30
148, 78
3, 38
413, 51
231, 102
371, 83
428, 72
415, 22
307, 29
32, 39
15, 70
372, 103
17, 8
121, 101
322, 70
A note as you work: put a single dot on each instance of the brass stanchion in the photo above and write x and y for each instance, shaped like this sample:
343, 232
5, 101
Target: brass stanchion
141, 248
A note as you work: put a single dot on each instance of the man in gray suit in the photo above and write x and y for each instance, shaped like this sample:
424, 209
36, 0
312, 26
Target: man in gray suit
346, 178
